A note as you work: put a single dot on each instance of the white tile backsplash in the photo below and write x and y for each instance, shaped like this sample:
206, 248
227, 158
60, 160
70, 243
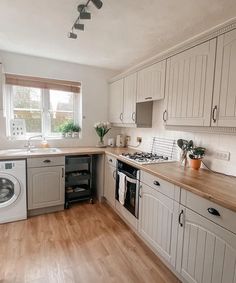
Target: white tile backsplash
212, 142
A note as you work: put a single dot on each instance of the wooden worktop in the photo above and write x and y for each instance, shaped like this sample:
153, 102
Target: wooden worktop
218, 188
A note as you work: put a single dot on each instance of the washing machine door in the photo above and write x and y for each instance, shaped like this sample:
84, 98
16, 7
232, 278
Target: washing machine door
9, 190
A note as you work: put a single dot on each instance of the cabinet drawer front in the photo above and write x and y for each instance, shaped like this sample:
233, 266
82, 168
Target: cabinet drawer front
111, 160
160, 185
46, 161
209, 209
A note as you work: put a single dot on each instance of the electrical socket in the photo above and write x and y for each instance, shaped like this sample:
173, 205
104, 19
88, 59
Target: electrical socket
222, 155
139, 139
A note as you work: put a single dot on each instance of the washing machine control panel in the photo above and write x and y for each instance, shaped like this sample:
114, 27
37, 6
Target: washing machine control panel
8, 166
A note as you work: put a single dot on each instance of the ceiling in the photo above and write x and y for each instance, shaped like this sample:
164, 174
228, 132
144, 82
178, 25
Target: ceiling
119, 35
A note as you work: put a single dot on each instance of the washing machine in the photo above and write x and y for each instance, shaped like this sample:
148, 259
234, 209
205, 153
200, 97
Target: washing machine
12, 191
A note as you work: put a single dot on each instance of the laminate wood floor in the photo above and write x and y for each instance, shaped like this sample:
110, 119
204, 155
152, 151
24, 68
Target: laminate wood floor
87, 243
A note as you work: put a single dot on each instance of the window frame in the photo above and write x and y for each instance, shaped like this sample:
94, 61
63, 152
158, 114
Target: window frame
45, 112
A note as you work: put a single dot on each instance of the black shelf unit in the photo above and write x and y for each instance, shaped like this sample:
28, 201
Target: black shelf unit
79, 179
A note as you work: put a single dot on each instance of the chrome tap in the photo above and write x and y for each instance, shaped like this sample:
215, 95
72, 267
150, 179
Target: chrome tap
28, 144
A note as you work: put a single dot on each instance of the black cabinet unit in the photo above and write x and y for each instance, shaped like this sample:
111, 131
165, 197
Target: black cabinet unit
79, 179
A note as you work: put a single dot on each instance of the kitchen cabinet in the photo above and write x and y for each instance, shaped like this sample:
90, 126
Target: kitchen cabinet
206, 251
158, 222
151, 82
224, 102
110, 180
130, 91
116, 99
46, 184
189, 86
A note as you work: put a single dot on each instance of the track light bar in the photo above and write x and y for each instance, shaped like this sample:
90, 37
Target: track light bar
97, 3
79, 26
83, 15
72, 35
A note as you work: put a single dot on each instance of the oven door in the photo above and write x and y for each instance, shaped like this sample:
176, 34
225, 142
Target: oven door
131, 198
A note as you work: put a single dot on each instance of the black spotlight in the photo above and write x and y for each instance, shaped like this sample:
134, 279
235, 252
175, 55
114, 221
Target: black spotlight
79, 26
84, 15
72, 35
97, 3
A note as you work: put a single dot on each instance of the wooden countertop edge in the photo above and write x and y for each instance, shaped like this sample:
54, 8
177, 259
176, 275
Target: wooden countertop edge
116, 153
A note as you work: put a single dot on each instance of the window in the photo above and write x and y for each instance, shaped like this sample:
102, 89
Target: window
43, 109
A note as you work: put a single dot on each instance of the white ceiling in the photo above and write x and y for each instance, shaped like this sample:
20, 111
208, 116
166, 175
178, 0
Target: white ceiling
119, 35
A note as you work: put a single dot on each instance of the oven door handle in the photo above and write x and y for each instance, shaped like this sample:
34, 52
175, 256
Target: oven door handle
131, 180
127, 174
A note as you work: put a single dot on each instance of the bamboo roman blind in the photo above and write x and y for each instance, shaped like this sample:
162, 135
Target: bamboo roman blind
43, 83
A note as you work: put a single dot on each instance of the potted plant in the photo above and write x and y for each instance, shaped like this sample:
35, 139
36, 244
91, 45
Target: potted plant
102, 128
196, 155
69, 129
185, 146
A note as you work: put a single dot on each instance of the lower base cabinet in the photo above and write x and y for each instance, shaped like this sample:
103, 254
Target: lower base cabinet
158, 222
46, 187
206, 251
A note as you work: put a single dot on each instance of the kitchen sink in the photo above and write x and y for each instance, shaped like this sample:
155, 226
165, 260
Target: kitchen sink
45, 150
24, 151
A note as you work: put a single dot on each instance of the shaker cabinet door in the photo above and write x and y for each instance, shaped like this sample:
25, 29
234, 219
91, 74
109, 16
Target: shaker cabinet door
189, 86
130, 92
208, 251
151, 82
110, 184
158, 223
224, 103
116, 101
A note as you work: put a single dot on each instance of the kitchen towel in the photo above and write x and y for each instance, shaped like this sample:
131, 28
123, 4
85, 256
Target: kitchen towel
122, 187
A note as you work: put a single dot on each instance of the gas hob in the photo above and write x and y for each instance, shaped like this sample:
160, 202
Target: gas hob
143, 158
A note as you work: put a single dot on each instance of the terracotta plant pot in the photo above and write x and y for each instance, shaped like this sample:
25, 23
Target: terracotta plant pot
195, 163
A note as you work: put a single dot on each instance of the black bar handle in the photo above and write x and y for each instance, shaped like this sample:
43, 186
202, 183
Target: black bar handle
213, 211
181, 213
47, 161
156, 183
164, 118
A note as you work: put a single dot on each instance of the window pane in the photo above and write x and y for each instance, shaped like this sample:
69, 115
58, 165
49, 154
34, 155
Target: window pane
27, 105
61, 108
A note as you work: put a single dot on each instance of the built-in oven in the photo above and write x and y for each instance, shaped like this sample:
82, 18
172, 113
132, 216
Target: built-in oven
127, 187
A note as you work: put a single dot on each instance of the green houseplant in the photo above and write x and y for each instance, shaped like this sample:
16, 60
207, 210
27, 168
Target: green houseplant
196, 155
69, 129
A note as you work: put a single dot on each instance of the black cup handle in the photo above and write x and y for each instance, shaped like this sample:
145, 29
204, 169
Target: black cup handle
213, 211
47, 161
156, 183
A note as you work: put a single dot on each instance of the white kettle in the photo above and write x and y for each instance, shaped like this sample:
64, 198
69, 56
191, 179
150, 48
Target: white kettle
120, 141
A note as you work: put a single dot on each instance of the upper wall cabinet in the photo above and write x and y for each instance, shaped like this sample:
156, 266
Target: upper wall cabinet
189, 86
224, 102
116, 101
130, 91
151, 82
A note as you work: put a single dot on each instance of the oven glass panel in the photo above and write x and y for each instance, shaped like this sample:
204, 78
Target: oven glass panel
130, 200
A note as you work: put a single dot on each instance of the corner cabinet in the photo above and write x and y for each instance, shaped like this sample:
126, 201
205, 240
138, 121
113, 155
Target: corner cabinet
224, 102
189, 86
208, 250
116, 98
158, 222
151, 82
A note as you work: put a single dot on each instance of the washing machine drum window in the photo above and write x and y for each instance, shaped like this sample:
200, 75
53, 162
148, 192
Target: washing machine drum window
6, 190
9, 190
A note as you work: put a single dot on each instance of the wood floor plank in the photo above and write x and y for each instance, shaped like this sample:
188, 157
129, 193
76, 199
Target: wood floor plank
87, 243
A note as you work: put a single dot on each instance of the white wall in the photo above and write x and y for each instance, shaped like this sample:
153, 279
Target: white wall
94, 91
211, 141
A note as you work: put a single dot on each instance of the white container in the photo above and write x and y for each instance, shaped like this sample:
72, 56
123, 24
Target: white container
111, 142
120, 141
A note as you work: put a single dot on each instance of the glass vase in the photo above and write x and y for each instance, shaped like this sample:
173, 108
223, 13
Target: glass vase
101, 143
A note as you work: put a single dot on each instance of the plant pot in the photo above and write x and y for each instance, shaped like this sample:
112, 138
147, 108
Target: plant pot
195, 163
75, 134
69, 135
